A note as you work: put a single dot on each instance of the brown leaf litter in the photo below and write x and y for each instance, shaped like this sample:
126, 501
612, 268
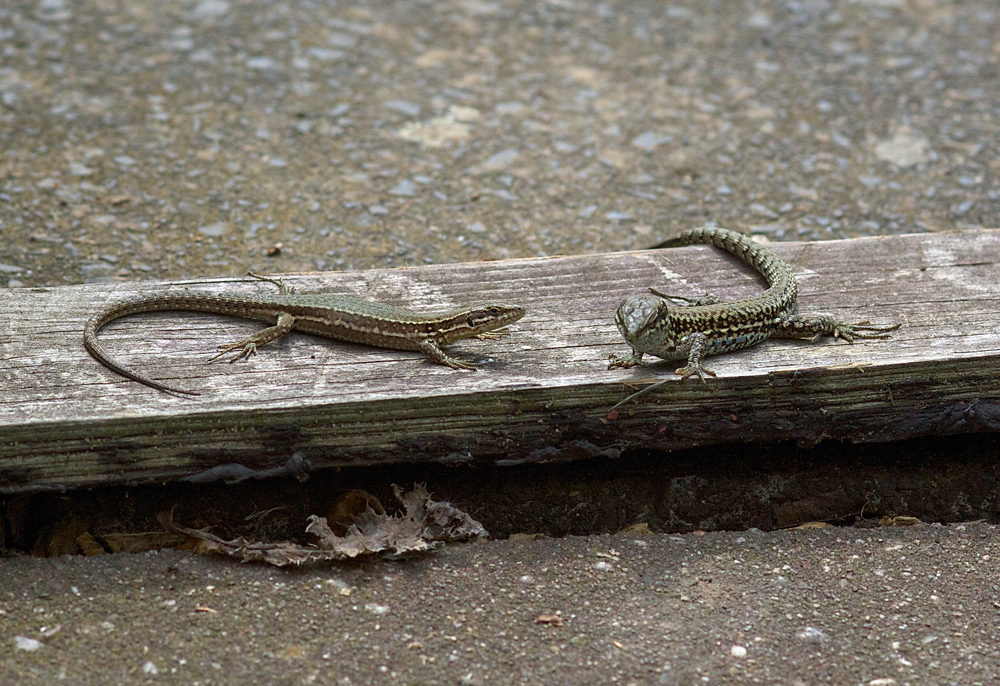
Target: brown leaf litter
424, 525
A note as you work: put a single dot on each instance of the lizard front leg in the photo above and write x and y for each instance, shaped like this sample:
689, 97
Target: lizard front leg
695, 342
433, 351
625, 361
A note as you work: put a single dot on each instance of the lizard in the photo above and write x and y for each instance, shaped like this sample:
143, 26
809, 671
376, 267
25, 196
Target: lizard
339, 317
708, 326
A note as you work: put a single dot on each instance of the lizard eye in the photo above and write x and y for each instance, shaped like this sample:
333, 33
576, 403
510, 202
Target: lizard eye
494, 311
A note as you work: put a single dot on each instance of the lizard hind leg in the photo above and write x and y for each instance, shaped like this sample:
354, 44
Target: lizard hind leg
862, 330
282, 288
707, 299
248, 346
797, 326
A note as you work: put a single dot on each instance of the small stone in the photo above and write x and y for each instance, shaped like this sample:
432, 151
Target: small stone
9, 99
263, 63
209, 9
811, 635
649, 140
404, 187
342, 40
214, 230
907, 148
410, 109
509, 107
326, 54
25, 643
616, 216
962, 209
500, 161
77, 169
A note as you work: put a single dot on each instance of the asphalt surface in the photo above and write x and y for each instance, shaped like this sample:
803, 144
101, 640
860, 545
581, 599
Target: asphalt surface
204, 138
911, 605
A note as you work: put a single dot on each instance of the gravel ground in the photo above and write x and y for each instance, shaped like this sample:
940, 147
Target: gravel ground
149, 139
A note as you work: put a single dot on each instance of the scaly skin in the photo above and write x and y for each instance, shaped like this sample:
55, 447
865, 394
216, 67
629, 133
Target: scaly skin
709, 326
334, 316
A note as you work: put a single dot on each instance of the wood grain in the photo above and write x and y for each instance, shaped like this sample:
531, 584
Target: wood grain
541, 394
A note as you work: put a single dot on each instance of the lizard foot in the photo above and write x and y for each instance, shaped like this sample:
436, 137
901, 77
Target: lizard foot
849, 332
623, 361
246, 349
707, 299
692, 369
492, 335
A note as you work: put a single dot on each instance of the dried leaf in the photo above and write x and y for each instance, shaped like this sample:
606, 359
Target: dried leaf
143, 542
88, 545
61, 538
899, 521
808, 525
349, 507
525, 537
425, 525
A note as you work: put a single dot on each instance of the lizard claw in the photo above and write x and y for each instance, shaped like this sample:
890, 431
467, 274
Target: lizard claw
692, 369
707, 299
492, 335
246, 350
849, 332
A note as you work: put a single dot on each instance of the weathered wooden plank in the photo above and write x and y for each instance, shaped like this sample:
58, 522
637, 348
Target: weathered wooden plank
543, 393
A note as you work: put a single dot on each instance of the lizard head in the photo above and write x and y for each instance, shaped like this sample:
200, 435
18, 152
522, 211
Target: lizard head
491, 316
642, 319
